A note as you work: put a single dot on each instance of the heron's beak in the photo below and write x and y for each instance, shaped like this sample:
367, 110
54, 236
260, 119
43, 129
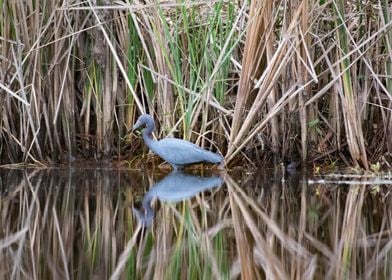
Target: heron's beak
135, 127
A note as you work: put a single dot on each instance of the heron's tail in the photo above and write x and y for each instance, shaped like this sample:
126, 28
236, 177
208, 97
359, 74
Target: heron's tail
213, 157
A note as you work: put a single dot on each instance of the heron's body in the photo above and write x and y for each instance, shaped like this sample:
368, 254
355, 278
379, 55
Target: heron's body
176, 152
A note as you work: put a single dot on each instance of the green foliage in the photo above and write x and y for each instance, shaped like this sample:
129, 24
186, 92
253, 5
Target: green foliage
73, 78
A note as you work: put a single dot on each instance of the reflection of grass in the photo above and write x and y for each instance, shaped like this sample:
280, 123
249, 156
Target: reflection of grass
69, 226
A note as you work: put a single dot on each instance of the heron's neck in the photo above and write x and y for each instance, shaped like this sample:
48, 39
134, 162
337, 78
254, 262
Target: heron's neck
147, 136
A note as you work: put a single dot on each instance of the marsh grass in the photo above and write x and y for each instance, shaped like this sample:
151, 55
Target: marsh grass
76, 224
254, 80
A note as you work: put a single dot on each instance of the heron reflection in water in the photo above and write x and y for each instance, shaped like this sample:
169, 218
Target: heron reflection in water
177, 152
175, 187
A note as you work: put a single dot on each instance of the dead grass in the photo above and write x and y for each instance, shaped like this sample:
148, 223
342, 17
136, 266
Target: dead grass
260, 80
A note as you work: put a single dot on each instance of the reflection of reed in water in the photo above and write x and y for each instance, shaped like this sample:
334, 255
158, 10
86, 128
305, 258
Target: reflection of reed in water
78, 224
175, 187
63, 223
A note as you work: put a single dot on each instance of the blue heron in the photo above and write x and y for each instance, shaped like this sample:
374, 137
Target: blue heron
176, 152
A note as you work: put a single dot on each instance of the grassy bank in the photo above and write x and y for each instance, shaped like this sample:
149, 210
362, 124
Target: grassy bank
259, 82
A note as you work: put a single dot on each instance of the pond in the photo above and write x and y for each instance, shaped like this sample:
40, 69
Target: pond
122, 224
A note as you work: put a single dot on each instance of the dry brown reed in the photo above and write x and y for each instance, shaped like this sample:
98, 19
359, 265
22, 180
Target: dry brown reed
306, 80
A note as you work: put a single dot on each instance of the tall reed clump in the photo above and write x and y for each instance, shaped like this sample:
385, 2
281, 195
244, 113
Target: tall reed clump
318, 90
74, 224
284, 80
74, 74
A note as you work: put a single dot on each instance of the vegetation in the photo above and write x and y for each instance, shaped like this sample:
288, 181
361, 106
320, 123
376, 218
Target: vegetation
267, 79
75, 224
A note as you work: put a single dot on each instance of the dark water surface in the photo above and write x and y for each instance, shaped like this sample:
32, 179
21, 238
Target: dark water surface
101, 224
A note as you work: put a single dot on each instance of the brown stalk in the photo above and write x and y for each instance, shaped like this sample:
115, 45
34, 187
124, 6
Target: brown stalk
303, 79
116, 58
254, 29
264, 84
165, 94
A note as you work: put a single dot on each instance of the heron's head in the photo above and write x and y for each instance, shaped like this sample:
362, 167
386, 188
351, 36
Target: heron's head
144, 120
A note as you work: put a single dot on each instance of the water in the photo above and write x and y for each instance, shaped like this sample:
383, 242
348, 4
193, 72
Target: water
97, 224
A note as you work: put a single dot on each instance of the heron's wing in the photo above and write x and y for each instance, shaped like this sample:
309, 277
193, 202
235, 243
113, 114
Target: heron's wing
180, 151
